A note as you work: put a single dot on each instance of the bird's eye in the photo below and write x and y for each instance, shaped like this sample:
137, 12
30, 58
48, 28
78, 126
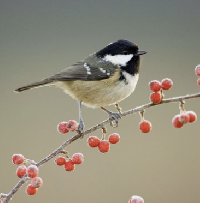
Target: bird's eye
125, 52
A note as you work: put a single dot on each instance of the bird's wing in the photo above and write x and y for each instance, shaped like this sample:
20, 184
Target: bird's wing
92, 68
85, 70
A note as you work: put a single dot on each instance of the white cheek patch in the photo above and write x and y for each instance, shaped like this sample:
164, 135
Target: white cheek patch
121, 60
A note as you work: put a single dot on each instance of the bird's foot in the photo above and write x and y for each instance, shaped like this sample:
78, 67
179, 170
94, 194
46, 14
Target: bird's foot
114, 119
81, 129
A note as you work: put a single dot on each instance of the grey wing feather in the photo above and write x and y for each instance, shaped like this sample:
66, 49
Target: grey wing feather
79, 72
92, 68
87, 70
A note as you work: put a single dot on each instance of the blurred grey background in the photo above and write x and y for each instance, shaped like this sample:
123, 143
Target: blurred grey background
39, 38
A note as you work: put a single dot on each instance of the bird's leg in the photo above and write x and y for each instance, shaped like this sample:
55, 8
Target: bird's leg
119, 109
81, 124
114, 117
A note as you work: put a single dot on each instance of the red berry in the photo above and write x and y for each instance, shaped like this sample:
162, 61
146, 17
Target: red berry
93, 141
60, 160
155, 97
155, 85
184, 118
145, 126
62, 127
17, 159
69, 165
114, 138
136, 199
166, 84
192, 116
30, 190
176, 123
72, 125
78, 158
197, 70
32, 171
104, 146
198, 81
36, 182
21, 171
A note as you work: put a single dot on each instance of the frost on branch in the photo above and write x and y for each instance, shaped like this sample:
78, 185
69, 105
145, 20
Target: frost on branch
28, 170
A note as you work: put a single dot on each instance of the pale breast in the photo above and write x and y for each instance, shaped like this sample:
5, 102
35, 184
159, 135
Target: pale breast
96, 94
124, 88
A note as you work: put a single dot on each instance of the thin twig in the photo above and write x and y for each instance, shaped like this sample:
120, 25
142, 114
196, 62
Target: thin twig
7, 197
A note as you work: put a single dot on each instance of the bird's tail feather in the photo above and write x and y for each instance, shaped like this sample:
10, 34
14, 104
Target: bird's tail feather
33, 85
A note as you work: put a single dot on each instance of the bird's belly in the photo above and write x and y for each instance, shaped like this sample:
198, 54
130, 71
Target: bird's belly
96, 94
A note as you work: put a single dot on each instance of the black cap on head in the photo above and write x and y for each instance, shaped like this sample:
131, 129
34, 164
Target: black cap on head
120, 47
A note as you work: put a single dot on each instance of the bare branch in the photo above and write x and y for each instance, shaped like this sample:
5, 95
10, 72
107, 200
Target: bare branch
7, 197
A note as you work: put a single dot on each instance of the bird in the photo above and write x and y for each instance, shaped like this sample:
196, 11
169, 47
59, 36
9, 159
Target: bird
104, 78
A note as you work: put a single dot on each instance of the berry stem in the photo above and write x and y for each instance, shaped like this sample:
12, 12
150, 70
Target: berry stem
66, 153
162, 94
181, 106
142, 115
2, 195
104, 131
29, 162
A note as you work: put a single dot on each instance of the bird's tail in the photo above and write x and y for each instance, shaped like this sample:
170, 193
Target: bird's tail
34, 85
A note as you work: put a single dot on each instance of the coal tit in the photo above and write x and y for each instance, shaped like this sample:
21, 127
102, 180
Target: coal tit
103, 78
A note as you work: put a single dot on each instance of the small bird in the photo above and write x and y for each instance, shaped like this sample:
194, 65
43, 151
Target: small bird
103, 78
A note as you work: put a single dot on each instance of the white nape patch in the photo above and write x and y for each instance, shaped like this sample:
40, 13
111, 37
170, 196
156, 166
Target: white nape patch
87, 68
118, 59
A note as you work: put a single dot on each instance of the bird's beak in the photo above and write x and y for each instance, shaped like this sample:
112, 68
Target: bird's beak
140, 53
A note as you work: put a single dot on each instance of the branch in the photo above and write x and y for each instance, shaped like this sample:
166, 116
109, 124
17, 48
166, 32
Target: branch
7, 197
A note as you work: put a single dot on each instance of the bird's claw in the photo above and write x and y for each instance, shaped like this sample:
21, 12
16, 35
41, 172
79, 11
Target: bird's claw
114, 118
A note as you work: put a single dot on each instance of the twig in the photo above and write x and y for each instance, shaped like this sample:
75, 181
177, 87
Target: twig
7, 197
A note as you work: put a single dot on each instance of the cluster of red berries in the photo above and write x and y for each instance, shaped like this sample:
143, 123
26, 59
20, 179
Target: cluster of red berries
136, 199
184, 117
156, 97
64, 127
197, 72
31, 171
68, 162
157, 87
103, 145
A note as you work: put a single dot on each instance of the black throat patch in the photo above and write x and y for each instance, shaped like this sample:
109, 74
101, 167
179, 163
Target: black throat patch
123, 78
131, 68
